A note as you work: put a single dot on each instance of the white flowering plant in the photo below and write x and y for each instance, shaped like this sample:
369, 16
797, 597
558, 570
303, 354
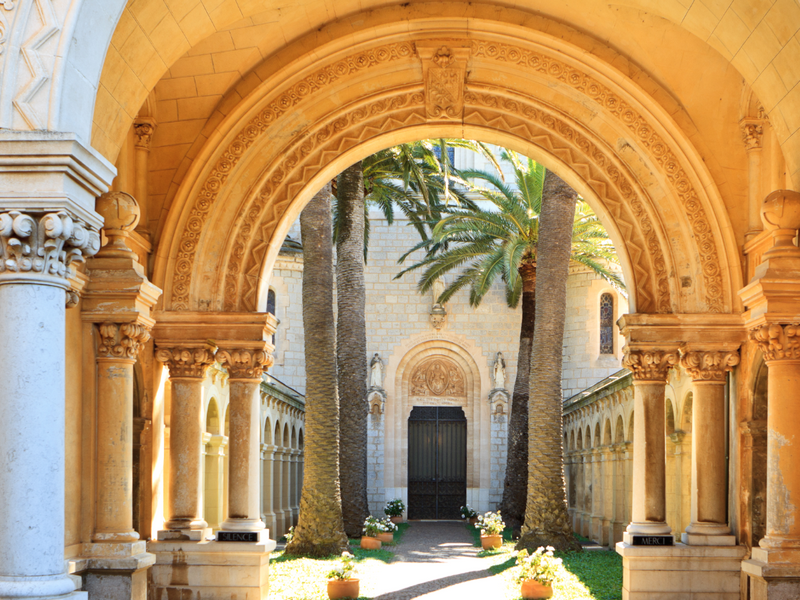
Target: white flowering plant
387, 523
467, 512
373, 526
490, 524
394, 508
540, 566
345, 569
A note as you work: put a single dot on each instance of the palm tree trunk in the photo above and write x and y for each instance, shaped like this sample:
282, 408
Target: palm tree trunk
515, 487
546, 516
351, 349
319, 530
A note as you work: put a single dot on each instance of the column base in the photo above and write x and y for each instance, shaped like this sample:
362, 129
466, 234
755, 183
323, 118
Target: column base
648, 528
694, 539
773, 574
117, 571
231, 524
211, 570
195, 535
681, 571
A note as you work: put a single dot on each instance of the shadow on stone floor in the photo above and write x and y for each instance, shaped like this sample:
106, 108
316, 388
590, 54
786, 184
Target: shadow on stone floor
433, 585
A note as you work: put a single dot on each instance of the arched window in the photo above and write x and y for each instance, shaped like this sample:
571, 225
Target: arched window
271, 308
606, 324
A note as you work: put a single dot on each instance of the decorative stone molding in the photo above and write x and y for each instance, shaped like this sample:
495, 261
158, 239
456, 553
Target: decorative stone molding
245, 363
752, 134
438, 316
649, 365
46, 244
143, 129
122, 340
376, 398
185, 361
708, 365
444, 72
499, 400
778, 341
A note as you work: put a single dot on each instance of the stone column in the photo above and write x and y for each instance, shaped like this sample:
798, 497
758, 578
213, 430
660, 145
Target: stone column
187, 368
245, 367
277, 491
649, 507
295, 485
709, 513
36, 251
752, 134
268, 508
597, 496
215, 459
286, 486
143, 130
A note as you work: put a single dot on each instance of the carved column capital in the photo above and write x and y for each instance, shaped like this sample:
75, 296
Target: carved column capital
43, 244
245, 363
186, 361
649, 365
143, 129
778, 341
752, 135
122, 340
708, 365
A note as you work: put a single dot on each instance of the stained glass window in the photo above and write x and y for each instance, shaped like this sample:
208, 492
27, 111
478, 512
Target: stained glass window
451, 153
606, 324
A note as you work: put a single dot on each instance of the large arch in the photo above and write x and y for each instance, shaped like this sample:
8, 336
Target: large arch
621, 150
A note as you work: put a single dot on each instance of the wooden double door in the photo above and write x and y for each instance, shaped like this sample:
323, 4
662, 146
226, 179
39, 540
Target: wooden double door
437, 462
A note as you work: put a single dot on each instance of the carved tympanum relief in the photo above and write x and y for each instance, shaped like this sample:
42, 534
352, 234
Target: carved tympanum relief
437, 377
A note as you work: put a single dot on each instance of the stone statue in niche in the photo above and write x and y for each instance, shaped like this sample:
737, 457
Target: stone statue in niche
436, 290
499, 371
376, 372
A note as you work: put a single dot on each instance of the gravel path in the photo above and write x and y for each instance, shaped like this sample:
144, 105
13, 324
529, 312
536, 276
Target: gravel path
436, 561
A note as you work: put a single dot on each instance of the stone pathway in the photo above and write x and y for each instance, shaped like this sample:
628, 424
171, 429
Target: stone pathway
436, 561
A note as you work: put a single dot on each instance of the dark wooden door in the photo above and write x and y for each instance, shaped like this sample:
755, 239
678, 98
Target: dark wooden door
437, 462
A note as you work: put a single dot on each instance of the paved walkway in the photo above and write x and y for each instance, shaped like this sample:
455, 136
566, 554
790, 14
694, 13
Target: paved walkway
434, 561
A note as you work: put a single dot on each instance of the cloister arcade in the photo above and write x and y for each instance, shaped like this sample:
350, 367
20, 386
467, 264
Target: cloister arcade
187, 135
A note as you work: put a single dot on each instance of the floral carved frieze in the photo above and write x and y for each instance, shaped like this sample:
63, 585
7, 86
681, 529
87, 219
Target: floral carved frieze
246, 363
256, 127
658, 148
709, 365
649, 365
46, 244
121, 340
778, 341
437, 377
185, 361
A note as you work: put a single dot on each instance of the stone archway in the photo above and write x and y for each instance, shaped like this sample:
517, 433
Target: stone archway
623, 153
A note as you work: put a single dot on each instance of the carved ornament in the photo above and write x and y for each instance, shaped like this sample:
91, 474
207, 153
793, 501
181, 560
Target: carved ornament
143, 130
659, 149
778, 341
649, 365
259, 124
444, 71
709, 365
752, 134
121, 340
437, 377
46, 244
186, 362
245, 364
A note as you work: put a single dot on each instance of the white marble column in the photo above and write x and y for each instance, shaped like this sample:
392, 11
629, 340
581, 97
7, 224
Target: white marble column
649, 507
245, 368
36, 250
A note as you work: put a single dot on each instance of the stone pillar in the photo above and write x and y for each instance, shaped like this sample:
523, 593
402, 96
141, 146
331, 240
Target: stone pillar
268, 508
286, 486
597, 496
752, 134
295, 485
245, 367
215, 472
709, 512
649, 508
143, 130
187, 368
36, 253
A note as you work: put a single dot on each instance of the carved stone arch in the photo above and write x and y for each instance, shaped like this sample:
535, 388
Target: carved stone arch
640, 216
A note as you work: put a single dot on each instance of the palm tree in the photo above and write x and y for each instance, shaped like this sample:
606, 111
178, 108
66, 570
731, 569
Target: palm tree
546, 517
351, 349
319, 530
502, 241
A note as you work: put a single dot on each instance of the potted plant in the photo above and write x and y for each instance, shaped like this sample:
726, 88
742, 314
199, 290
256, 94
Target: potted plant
340, 582
469, 513
491, 526
372, 527
388, 535
394, 510
537, 572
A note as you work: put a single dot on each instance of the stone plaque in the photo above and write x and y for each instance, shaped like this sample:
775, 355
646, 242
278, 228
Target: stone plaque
237, 536
653, 540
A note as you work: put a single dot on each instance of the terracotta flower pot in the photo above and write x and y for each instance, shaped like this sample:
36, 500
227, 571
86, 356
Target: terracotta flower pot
533, 589
396, 520
490, 542
342, 588
386, 538
370, 543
